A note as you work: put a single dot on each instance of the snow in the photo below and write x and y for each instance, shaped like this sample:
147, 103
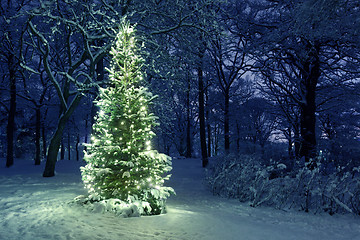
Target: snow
33, 207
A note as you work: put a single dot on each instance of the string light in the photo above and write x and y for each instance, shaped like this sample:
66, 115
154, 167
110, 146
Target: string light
131, 172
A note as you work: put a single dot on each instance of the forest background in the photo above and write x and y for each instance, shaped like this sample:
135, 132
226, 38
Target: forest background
273, 78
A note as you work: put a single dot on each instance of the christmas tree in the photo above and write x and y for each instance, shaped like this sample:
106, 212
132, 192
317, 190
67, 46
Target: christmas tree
122, 168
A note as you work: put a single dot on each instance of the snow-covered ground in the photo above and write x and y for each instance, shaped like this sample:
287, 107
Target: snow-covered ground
35, 208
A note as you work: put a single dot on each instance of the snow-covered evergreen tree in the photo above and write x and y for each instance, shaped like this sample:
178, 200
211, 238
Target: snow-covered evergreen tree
121, 164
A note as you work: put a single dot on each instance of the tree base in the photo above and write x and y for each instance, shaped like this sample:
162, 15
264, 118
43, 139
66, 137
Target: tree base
118, 207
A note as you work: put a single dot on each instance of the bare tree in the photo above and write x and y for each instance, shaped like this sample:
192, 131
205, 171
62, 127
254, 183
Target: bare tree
303, 45
68, 45
72, 40
10, 33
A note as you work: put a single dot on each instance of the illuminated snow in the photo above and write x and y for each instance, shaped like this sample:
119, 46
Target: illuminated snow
33, 207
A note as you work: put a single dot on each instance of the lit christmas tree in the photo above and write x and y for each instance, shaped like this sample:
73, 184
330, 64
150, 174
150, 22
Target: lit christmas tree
122, 169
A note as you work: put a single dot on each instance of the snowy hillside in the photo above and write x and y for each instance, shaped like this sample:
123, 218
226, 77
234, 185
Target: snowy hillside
33, 207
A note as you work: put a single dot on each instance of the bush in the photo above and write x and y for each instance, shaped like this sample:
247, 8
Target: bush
309, 189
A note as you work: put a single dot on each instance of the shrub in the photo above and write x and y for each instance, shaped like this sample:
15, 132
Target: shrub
303, 188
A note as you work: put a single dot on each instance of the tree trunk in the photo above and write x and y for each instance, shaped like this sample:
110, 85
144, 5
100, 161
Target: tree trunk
62, 150
43, 140
77, 147
209, 139
37, 136
66, 92
69, 146
208, 128
310, 75
188, 123
202, 118
180, 146
237, 137
56, 138
10, 129
100, 70
308, 139
297, 141
53, 150
226, 121
290, 143
86, 131
216, 139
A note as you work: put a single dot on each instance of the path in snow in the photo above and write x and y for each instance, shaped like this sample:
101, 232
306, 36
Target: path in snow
36, 208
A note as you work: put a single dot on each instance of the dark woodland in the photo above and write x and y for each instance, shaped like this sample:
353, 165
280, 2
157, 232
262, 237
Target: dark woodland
262, 84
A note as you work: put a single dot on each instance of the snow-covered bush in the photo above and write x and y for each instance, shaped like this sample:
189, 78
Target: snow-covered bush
120, 208
303, 188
